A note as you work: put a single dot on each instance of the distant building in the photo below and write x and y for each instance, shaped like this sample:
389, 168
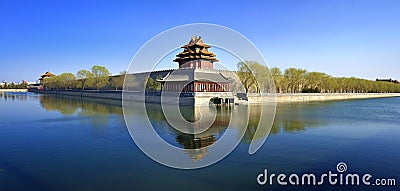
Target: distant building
35, 86
2, 84
39, 85
45, 75
388, 80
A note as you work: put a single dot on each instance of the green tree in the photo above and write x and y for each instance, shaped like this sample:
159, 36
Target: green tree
325, 83
66, 80
314, 81
101, 76
85, 79
262, 76
117, 81
246, 75
278, 79
152, 84
334, 85
50, 82
296, 79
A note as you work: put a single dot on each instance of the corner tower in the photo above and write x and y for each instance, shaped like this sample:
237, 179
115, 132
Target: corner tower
196, 55
196, 71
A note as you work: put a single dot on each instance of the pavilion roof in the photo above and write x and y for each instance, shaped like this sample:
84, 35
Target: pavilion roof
196, 49
47, 74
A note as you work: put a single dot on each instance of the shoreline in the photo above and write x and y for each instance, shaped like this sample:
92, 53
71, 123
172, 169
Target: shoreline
13, 90
198, 97
309, 97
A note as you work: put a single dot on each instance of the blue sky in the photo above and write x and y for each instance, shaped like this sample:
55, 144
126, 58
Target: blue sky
339, 37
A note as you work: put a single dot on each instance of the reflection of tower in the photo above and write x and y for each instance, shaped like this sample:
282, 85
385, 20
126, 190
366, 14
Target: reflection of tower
190, 141
193, 114
196, 144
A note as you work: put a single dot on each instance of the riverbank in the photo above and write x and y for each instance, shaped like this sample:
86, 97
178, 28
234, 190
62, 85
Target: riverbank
305, 97
310, 97
13, 90
199, 97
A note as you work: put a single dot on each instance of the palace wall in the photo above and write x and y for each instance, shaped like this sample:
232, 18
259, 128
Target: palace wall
199, 98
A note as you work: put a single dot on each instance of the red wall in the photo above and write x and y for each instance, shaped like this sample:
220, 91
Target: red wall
197, 64
197, 87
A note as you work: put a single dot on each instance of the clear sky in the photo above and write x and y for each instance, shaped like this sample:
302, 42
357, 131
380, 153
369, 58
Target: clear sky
358, 38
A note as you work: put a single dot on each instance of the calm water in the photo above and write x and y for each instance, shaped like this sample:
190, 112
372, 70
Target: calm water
64, 143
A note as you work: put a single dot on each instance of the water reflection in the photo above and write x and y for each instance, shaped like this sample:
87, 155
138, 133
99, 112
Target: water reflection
16, 96
288, 118
84, 106
297, 117
195, 145
96, 110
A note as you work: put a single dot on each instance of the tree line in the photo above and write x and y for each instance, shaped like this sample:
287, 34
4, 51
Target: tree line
257, 78
97, 78
13, 85
254, 77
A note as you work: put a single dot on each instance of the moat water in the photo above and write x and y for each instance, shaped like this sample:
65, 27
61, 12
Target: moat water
69, 143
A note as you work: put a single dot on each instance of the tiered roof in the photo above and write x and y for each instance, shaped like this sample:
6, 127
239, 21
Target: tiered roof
196, 49
47, 74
